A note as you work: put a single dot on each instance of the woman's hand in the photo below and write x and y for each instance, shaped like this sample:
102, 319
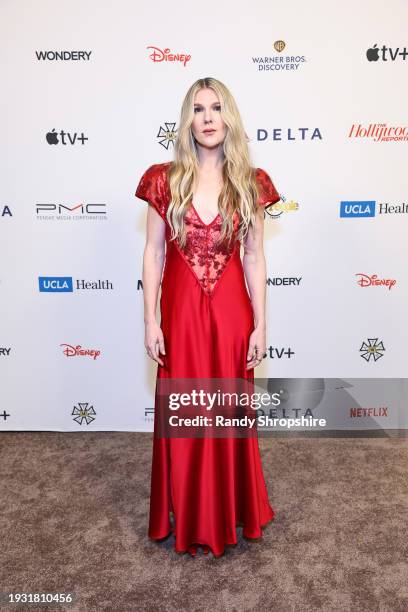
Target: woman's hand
154, 341
257, 347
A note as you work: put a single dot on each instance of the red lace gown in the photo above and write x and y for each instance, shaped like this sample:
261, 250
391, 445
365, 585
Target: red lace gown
211, 485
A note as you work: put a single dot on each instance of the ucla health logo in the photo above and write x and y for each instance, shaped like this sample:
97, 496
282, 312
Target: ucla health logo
64, 284
55, 284
357, 208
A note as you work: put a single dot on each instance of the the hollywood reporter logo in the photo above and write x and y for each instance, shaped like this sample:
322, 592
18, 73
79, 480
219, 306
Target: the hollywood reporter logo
65, 138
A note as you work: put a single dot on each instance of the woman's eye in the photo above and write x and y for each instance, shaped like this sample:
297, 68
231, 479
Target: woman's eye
198, 108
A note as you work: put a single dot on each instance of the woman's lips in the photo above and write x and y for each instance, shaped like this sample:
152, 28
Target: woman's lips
209, 132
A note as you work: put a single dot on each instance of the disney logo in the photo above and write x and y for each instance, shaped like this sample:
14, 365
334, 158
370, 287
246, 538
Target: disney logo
373, 280
165, 56
73, 351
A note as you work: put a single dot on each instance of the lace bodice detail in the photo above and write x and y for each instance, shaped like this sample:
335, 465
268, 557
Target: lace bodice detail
206, 258
203, 253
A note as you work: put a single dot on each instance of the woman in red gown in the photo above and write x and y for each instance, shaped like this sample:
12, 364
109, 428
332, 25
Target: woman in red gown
211, 327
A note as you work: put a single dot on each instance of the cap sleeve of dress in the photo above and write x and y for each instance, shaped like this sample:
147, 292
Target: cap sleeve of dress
268, 194
151, 188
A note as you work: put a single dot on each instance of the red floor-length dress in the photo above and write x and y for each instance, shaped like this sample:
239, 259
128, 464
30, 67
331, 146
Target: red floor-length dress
209, 484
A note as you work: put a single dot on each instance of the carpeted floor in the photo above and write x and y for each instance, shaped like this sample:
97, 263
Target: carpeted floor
74, 509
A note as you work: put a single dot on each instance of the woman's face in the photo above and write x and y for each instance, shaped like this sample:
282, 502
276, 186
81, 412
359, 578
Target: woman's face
208, 127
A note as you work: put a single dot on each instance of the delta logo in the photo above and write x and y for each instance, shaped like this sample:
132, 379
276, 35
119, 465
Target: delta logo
5, 211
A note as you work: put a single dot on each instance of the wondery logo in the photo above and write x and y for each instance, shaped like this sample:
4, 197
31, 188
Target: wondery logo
372, 348
63, 56
374, 281
167, 135
52, 137
373, 54
278, 281
74, 351
83, 412
379, 132
363, 208
165, 56
4, 351
299, 134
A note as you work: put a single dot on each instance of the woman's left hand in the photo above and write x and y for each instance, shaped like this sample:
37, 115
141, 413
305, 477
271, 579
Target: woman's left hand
257, 347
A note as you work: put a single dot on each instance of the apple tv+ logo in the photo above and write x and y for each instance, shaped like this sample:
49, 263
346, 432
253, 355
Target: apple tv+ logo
64, 138
373, 53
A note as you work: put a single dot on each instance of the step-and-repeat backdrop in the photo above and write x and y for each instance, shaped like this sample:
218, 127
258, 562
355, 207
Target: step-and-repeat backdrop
91, 96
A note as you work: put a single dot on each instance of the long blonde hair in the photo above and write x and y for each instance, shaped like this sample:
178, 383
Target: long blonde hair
240, 189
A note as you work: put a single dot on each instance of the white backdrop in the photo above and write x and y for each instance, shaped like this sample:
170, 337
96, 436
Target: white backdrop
95, 73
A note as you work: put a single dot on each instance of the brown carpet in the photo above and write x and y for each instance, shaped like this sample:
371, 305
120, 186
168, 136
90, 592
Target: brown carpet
74, 510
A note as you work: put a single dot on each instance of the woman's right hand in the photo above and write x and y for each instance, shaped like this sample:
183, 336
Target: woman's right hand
154, 341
